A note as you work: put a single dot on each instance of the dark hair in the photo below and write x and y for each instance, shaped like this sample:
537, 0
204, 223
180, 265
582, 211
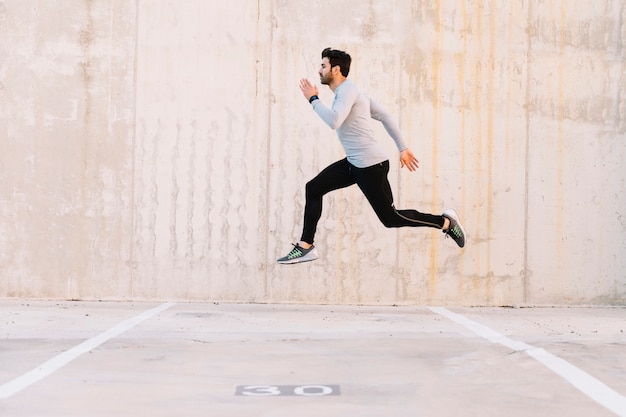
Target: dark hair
338, 58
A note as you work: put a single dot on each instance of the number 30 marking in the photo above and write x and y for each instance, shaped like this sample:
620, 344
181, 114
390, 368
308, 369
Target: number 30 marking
259, 390
287, 390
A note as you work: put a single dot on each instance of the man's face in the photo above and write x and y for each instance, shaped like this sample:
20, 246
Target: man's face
326, 74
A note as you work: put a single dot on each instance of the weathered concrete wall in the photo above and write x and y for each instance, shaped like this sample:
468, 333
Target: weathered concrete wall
67, 137
157, 149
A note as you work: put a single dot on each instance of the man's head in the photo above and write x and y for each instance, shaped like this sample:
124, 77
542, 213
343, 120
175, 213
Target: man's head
335, 63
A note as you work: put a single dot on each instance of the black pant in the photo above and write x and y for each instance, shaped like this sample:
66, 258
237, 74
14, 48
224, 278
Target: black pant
375, 186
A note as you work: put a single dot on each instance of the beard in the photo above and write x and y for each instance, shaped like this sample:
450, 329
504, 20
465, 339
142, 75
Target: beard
325, 80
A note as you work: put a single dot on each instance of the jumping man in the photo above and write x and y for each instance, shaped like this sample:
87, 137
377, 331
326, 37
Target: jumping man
366, 163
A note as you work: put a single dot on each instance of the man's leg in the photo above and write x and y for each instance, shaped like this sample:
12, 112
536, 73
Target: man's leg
375, 185
333, 177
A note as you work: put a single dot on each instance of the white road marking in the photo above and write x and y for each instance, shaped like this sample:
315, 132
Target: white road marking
54, 364
585, 383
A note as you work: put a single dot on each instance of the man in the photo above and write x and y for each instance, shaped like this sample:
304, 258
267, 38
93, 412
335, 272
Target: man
366, 163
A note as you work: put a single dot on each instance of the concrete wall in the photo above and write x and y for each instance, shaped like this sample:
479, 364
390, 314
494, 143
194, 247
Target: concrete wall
158, 149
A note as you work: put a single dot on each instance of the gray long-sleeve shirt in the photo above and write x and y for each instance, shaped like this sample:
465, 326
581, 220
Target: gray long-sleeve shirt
350, 115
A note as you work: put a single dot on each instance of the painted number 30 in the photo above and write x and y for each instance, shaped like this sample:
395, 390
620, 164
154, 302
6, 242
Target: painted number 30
287, 390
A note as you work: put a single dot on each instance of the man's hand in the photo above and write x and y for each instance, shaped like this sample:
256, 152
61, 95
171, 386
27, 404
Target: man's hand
308, 89
407, 159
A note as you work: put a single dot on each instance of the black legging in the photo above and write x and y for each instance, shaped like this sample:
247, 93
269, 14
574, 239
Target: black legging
375, 186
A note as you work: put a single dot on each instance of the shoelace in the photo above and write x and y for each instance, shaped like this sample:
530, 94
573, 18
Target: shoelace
295, 252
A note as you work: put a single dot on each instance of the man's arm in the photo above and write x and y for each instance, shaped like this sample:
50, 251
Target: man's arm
335, 116
392, 128
407, 159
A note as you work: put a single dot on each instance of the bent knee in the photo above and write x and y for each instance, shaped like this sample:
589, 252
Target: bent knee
313, 189
389, 223
309, 188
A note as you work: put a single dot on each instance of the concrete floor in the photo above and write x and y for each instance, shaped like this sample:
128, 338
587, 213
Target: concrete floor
192, 359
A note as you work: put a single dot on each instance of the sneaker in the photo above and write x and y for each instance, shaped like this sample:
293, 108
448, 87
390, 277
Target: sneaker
299, 254
455, 231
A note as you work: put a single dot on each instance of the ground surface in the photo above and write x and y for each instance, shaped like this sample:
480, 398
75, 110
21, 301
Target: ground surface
191, 359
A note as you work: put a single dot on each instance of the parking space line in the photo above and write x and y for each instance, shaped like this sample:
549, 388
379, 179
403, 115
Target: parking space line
585, 383
52, 365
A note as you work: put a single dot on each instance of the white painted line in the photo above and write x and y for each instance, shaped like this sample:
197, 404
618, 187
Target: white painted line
47, 368
585, 383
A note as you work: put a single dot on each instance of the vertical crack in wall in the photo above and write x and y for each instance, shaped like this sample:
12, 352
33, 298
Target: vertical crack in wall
436, 88
78, 274
527, 107
266, 72
132, 269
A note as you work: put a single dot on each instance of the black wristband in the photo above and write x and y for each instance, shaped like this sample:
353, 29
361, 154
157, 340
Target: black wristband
313, 98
